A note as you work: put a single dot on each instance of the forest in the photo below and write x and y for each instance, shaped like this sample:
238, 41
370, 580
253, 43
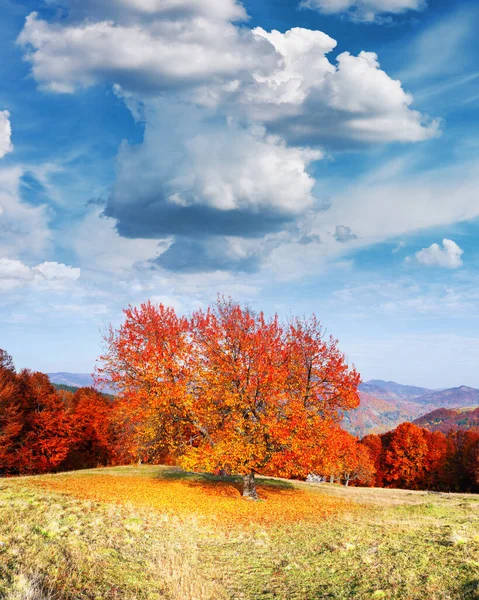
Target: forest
226, 391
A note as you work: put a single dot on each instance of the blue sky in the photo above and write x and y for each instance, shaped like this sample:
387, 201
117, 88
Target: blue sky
307, 157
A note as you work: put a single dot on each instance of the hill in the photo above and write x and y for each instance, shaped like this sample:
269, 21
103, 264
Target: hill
77, 380
386, 404
377, 414
73, 381
453, 397
450, 419
157, 532
391, 389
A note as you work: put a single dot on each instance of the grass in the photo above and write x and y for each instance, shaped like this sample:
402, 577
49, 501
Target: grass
156, 532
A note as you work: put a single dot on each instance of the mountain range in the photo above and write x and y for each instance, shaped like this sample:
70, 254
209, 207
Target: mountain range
384, 404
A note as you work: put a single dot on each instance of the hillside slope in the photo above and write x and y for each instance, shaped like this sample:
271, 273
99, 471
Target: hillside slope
450, 419
378, 415
156, 533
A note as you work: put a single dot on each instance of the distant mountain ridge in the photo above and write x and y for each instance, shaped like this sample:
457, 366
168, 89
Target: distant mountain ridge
450, 419
77, 380
390, 389
72, 379
386, 404
456, 397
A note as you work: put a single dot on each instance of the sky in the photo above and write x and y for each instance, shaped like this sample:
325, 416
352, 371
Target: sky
318, 156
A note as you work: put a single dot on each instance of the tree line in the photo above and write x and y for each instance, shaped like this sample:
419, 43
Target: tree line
43, 429
415, 458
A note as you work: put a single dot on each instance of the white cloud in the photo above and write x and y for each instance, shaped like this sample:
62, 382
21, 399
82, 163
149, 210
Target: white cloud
221, 10
54, 270
5, 133
234, 118
342, 233
23, 228
202, 179
161, 53
281, 80
449, 256
14, 274
236, 169
365, 11
385, 205
109, 252
308, 98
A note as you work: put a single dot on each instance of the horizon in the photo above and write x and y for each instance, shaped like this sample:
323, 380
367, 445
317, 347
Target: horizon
302, 157
367, 382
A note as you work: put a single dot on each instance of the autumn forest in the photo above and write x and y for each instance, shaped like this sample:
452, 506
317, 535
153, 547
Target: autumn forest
226, 391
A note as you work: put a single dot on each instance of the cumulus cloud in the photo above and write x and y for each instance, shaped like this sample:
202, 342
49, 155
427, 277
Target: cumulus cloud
5, 133
167, 51
310, 100
365, 11
14, 274
110, 252
235, 119
281, 80
212, 254
23, 227
223, 180
344, 234
448, 256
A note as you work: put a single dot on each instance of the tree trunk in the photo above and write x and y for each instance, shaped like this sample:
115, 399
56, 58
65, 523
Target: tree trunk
331, 479
346, 483
249, 487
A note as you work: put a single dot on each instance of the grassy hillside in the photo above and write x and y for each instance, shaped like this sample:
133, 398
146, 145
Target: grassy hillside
155, 532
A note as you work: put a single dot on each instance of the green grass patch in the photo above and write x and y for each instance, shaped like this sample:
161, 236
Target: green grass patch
398, 545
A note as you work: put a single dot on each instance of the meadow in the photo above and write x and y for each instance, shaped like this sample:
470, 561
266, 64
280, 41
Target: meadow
157, 532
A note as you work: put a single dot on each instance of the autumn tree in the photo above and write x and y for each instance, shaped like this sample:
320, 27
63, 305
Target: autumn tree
405, 457
93, 440
11, 418
228, 389
374, 446
47, 428
462, 461
435, 460
35, 431
148, 361
354, 461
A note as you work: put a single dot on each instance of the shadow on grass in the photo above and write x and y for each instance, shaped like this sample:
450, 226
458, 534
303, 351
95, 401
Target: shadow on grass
470, 590
208, 479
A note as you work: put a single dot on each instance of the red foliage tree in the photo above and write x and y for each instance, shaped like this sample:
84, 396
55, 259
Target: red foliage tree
405, 457
92, 436
462, 461
229, 389
435, 459
11, 418
46, 435
148, 362
350, 460
374, 445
